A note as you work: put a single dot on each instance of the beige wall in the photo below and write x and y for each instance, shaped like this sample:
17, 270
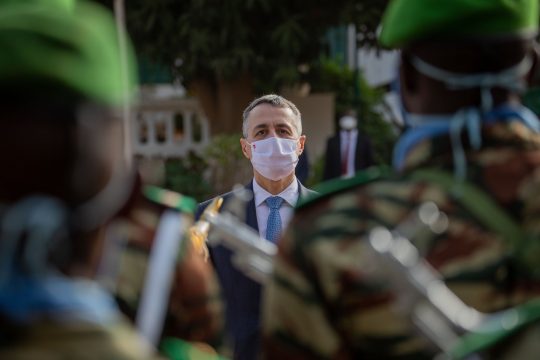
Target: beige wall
317, 120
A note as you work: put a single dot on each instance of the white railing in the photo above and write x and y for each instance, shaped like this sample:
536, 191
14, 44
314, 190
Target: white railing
168, 128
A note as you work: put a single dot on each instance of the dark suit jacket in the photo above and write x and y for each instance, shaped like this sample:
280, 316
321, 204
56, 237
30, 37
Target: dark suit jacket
332, 162
302, 168
242, 295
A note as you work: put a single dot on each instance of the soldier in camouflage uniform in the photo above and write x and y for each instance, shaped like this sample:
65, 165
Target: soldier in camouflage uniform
463, 66
194, 311
66, 191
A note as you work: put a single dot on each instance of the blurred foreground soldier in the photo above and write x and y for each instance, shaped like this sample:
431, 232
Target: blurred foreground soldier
64, 178
148, 276
463, 66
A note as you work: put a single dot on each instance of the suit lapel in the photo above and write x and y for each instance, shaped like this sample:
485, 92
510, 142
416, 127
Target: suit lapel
251, 213
302, 190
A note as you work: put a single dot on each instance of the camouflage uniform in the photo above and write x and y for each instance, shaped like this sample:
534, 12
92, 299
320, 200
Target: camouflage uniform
194, 308
320, 304
62, 74
48, 340
324, 300
194, 311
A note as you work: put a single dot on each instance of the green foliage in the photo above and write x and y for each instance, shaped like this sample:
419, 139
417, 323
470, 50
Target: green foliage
315, 172
380, 132
226, 38
185, 175
224, 150
353, 92
216, 171
329, 75
227, 166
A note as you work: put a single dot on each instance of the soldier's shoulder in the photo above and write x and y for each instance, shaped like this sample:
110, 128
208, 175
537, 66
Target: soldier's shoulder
169, 199
54, 341
331, 188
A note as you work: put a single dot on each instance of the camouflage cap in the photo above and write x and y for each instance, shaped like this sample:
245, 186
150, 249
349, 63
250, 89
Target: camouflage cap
406, 21
74, 43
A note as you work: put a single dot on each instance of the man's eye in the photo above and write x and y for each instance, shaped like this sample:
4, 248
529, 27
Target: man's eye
260, 132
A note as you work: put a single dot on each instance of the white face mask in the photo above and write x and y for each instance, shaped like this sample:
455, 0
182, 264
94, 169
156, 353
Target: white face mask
347, 122
274, 158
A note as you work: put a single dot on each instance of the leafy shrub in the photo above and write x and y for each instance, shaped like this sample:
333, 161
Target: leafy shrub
186, 176
227, 166
353, 92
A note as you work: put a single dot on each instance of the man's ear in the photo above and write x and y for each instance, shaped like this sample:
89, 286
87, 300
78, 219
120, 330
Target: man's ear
301, 142
246, 148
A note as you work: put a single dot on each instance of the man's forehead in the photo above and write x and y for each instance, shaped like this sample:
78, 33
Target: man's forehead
267, 114
276, 123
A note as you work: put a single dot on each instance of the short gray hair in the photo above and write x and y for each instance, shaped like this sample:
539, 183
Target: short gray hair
276, 101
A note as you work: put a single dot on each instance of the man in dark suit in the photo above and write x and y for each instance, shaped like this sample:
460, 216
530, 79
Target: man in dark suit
348, 151
272, 141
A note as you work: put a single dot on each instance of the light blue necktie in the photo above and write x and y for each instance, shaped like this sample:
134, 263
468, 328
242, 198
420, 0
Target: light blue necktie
273, 226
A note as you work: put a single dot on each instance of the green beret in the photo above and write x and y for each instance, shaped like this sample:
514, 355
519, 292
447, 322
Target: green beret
406, 21
74, 43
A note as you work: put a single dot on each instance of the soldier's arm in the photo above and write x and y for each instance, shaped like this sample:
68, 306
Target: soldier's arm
196, 311
295, 322
321, 301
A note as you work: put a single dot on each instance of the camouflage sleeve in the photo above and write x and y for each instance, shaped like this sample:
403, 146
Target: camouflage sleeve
195, 311
321, 302
295, 325
75, 340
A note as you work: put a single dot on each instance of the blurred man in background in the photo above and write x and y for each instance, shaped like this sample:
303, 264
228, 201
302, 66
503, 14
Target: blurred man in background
348, 151
471, 148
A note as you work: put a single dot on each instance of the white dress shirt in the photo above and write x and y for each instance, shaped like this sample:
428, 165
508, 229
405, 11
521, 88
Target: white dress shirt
290, 197
349, 138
